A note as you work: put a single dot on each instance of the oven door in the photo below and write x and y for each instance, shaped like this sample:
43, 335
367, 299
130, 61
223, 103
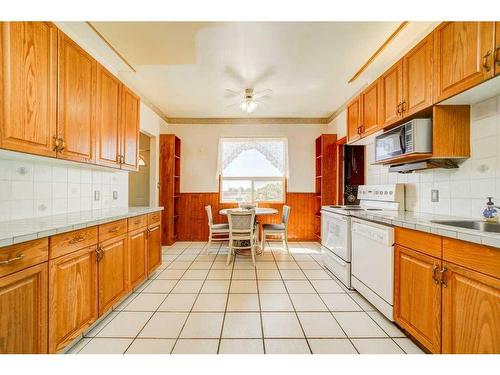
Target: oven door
336, 234
390, 143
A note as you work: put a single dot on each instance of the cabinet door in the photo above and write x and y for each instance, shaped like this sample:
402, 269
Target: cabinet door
23, 308
130, 130
417, 296
471, 312
137, 257
72, 296
463, 56
108, 124
353, 120
370, 109
76, 102
391, 94
28, 87
497, 48
154, 248
112, 271
417, 77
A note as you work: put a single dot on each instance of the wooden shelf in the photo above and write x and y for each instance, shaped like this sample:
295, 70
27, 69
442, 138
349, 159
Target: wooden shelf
405, 159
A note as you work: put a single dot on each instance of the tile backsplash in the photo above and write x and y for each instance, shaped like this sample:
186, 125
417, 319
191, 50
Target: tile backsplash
39, 188
462, 191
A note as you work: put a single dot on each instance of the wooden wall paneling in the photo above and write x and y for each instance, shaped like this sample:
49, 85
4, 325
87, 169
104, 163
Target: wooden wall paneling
167, 187
28, 87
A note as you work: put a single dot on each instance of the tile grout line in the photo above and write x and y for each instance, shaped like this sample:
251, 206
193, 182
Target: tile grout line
227, 301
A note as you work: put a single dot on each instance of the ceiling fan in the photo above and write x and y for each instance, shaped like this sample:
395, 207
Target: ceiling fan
250, 99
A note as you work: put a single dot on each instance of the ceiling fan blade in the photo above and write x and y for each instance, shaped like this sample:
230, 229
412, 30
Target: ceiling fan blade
263, 92
237, 77
232, 93
265, 97
233, 105
267, 73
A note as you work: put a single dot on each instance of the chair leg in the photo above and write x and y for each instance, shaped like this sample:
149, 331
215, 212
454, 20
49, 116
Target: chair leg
252, 249
229, 252
209, 242
285, 239
263, 240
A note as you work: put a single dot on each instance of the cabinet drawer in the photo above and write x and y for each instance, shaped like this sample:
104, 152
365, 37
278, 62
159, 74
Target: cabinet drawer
154, 218
113, 229
426, 243
481, 258
20, 256
65, 243
137, 222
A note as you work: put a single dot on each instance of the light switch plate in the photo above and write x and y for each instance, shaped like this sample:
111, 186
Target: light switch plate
434, 195
115, 195
97, 195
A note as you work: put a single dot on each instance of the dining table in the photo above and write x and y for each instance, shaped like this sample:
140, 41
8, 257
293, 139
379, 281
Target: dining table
259, 211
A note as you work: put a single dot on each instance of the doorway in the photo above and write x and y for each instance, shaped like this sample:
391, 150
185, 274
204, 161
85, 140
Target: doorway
139, 182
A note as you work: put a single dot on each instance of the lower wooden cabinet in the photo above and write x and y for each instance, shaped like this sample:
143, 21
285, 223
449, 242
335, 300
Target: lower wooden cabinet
137, 257
23, 311
417, 296
471, 311
112, 272
72, 296
154, 248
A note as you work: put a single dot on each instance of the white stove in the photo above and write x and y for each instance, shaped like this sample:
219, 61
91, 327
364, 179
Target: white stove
336, 234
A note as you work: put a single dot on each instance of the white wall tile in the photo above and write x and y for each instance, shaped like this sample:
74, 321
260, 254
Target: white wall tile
22, 190
5, 190
42, 190
21, 171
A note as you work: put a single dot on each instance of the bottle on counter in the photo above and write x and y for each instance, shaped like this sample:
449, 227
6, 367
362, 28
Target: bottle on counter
490, 213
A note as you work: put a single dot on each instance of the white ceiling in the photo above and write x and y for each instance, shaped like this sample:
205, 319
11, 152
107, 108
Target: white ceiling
183, 68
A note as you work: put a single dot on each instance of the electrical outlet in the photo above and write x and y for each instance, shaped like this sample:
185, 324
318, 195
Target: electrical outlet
97, 195
434, 195
115, 195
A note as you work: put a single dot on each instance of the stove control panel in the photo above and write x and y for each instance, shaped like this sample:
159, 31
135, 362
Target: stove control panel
385, 193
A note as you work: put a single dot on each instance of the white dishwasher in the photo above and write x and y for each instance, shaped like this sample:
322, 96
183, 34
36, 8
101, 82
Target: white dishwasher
373, 263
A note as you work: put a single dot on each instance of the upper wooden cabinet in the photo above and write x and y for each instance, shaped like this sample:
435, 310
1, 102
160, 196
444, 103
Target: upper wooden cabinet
369, 109
463, 56
108, 118
353, 120
391, 94
130, 129
417, 77
497, 48
76, 102
28, 87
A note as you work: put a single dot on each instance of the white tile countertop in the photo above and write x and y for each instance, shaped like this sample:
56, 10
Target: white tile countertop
422, 222
16, 231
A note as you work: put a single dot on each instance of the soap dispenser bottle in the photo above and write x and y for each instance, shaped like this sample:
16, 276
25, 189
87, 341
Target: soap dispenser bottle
490, 213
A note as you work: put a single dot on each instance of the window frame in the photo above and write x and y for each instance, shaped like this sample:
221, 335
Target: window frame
252, 180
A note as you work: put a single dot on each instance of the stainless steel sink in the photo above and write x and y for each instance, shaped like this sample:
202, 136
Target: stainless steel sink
482, 226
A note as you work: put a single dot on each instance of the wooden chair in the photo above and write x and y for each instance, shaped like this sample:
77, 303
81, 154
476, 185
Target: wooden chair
278, 229
241, 230
215, 229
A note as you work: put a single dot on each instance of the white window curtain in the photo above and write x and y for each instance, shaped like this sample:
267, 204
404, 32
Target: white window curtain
275, 150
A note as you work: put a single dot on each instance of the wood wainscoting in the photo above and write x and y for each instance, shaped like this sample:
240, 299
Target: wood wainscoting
193, 225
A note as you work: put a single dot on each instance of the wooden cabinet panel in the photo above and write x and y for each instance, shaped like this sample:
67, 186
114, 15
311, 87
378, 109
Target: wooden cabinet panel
112, 271
370, 109
154, 217
391, 95
130, 129
417, 296
65, 243
72, 296
426, 243
463, 56
471, 312
23, 255
108, 118
417, 77
137, 262
112, 229
137, 222
154, 248
76, 102
497, 48
28, 87
353, 120
23, 308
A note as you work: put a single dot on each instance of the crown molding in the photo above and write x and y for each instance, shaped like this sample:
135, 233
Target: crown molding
247, 120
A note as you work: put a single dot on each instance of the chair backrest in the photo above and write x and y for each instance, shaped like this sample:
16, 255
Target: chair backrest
286, 215
247, 205
208, 209
241, 222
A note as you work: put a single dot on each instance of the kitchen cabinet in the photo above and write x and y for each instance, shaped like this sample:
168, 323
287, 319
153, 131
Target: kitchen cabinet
129, 143
353, 120
154, 248
28, 86
463, 56
417, 77
137, 257
76, 102
369, 109
72, 296
417, 296
471, 311
23, 308
112, 271
108, 117
497, 48
391, 93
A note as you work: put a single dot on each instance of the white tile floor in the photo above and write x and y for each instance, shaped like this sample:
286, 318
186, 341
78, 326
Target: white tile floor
288, 304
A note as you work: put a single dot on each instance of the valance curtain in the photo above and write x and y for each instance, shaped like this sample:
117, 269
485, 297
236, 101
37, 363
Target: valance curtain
275, 150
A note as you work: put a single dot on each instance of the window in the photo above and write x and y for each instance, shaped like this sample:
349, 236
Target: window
252, 169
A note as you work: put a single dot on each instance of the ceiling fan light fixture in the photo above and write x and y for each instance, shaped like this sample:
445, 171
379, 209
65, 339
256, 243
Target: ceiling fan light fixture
248, 106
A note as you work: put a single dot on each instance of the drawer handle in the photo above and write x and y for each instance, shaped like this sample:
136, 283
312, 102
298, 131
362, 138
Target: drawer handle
443, 277
11, 260
77, 239
434, 276
137, 221
114, 230
486, 66
99, 253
